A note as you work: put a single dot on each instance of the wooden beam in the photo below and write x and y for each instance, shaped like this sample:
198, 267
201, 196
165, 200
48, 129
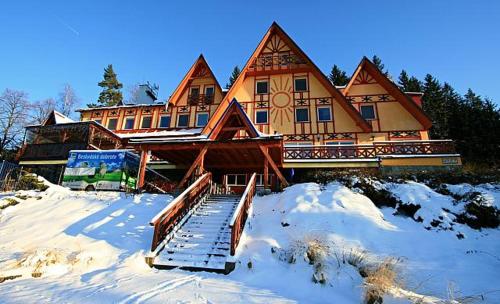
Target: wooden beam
266, 173
197, 161
142, 169
273, 166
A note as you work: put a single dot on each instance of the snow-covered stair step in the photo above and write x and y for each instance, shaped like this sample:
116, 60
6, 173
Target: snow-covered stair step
204, 240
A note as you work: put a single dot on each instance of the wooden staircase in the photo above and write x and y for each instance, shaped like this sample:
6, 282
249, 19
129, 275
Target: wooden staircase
200, 229
204, 241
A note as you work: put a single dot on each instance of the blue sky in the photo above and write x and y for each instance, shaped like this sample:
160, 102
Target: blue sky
45, 44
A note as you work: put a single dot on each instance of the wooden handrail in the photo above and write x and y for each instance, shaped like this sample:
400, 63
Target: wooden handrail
240, 215
422, 147
167, 219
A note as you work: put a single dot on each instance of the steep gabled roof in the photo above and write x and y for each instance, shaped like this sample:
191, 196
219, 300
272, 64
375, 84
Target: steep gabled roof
200, 67
276, 29
232, 121
55, 118
406, 101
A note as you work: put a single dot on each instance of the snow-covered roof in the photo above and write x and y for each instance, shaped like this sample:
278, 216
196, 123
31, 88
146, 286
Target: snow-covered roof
162, 133
61, 118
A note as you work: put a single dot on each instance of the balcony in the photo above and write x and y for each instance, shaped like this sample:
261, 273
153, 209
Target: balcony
378, 149
200, 99
283, 62
55, 151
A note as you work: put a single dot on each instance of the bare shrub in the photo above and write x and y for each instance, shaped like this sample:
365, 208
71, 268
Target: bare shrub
380, 279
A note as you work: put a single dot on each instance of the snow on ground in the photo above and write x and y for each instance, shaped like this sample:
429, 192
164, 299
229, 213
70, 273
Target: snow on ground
90, 247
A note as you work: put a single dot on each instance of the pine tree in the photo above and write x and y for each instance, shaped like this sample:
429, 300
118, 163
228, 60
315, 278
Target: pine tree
338, 77
409, 84
110, 95
434, 104
378, 62
234, 75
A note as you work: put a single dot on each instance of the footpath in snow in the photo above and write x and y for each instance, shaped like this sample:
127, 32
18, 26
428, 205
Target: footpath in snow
308, 244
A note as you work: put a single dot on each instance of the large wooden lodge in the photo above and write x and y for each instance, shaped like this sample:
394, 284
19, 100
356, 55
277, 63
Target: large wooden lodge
281, 116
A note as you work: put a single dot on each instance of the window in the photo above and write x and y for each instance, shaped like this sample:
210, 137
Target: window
262, 87
368, 111
146, 122
302, 115
300, 84
129, 123
98, 121
298, 143
339, 143
164, 121
195, 91
259, 179
112, 123
209, 91
261, 116
201, 119
324, 114
183, 120
236, 179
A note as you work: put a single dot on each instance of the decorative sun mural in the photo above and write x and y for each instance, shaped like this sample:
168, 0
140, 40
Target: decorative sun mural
281, 100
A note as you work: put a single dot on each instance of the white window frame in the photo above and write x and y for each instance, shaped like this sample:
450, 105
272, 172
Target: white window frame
209, 87
125, 123
267, 116
110, 119
237, 179
178, 120
169, 121
142, 122
308, 115
256, 85
295, 87
298, 143
198, 118
329, 110
374, 111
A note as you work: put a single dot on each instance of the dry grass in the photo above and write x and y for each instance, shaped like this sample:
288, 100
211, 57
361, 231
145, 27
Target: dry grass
380, 279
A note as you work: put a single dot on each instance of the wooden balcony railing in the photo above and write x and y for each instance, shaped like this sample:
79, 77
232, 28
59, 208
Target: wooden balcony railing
415, 147
200, 99
370, 151
169, 218
56, 151
240, 215
330, 152
276, 62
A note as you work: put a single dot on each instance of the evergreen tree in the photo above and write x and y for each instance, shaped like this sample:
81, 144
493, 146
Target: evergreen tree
234, 75
378, 62
434, 104
111, 94
338, 77
409, 84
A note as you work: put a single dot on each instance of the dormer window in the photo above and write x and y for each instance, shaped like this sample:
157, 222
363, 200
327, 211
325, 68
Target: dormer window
195, 91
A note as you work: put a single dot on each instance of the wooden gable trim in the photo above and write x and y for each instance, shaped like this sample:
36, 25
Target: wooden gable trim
276, 29
406, 101
220, 125
188, 78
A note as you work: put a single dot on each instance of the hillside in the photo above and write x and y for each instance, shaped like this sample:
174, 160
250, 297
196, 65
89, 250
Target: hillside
308, 244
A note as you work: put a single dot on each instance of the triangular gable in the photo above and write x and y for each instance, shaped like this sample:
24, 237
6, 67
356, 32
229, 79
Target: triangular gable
276, 29
368, 73
55, 117
200, 69
231, 122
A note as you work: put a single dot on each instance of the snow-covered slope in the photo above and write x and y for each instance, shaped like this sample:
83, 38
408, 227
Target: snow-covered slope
90, 247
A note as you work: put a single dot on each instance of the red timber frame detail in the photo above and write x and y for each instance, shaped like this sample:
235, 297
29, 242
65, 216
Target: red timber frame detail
200, 66
311, 68
367, 67
198, 163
